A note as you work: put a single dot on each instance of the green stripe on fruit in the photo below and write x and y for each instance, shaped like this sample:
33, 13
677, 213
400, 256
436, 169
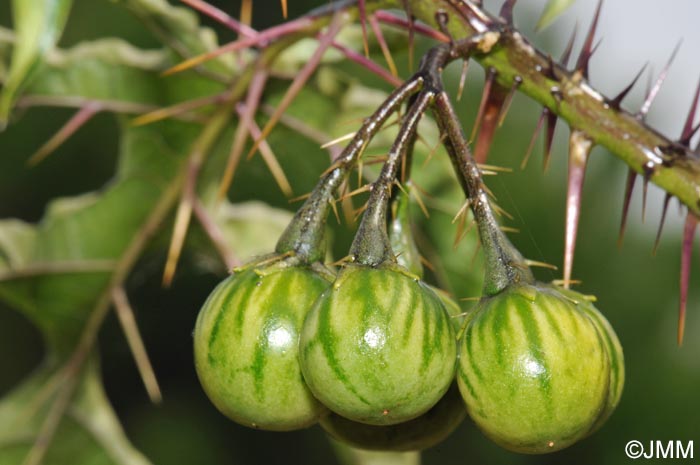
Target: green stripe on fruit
246, 347
378, 347
533, 369
615, 353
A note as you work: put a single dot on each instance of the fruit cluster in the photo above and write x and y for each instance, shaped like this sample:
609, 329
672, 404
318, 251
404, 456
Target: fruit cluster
371, 356
382, 360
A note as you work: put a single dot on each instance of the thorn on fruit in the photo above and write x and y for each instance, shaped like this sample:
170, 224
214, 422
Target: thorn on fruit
667, 200
691, 223
617, 101
629, 188
654, 90
580, 146
587, 50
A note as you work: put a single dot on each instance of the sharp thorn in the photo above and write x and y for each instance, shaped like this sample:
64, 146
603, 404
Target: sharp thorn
246, 14
509, 100
507, 11
488, 121
549, 72
688, 130
488, 83
533, 139
588, 49
691, 223
127, 320
617, 101
667, 200
564, 60
386, 51
300, 79
411, 32
645, 188
629, 188
462, 79
76, 121
654, 90
580, 146
551, 124
285, 10
363, 23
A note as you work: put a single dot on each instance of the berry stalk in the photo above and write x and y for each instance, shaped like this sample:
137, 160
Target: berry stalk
304, 237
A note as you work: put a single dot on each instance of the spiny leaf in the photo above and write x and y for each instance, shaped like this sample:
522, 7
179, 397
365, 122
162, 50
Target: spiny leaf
552, 10
38, 26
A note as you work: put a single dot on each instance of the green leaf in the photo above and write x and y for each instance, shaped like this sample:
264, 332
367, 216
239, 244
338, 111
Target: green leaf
111, 69
89, 432
38, 26
551, 11
179, 29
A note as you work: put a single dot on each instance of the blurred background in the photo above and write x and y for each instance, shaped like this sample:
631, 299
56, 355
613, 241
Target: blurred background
636, 291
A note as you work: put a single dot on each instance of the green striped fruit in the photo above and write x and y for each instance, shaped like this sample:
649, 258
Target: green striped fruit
246, 347
378, 346
534, 371
423, 432
614, 348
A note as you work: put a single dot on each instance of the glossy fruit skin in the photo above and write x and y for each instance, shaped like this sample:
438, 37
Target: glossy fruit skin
246, 347
615, 354
378, 347
534, 371
426, 431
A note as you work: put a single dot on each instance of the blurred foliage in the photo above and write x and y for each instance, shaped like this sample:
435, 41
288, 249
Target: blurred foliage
88, 200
